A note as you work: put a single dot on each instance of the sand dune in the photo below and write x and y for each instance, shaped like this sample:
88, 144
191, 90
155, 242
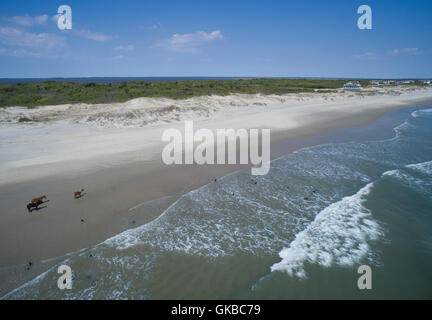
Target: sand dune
140, 112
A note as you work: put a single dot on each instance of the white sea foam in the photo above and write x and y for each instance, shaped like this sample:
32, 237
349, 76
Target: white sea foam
404, 177
425, 113
424, 167
403, 127
413, 177
212, 222
338, 235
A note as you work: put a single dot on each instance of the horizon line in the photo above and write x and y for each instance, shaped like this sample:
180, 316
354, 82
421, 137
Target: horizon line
226, 77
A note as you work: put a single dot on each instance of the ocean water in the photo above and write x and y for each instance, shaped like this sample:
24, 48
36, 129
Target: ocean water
300, 232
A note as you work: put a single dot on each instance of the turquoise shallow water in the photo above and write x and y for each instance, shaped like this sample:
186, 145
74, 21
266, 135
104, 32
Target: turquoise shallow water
299, 232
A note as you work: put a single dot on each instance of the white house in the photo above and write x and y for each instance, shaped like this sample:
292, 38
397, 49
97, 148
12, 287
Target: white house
352, 86
404, 81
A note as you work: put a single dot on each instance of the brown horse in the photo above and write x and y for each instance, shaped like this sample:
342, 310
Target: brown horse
36, 200
78, 194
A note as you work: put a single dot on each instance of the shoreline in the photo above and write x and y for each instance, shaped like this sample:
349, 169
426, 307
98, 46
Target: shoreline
114, 189
13, 278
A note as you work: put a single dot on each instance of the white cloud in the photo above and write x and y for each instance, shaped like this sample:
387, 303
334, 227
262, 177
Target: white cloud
41, 19
408, 51
414, 51
16, 37
21, 43
55, 17
129, 47
366, 56
153, 27
19, 53
120, 57
93, 36
189, 42
403, 52
27, 20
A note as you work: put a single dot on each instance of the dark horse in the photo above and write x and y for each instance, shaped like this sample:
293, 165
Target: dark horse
34, 206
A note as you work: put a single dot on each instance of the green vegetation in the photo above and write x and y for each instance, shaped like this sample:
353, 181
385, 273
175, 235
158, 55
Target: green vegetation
53, 92
24, 119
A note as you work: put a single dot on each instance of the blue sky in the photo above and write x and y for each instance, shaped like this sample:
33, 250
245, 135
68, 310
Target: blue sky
216, 38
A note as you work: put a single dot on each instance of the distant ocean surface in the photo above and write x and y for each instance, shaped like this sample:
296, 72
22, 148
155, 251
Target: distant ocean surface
110, 80
299, 232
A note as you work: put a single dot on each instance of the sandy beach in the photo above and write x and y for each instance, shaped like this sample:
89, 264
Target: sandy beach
114, 153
